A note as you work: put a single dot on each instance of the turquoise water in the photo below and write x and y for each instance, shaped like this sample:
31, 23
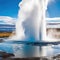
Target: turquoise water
6, 47
20, 50
28, 50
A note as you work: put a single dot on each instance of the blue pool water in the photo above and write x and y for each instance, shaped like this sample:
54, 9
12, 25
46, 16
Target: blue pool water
28, 50
6, 47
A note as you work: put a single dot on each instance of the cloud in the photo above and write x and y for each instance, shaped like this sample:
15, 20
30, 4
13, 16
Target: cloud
7, 20
51, 1
55, 18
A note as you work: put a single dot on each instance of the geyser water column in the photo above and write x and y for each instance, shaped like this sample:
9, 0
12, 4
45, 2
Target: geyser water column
29, 20
31, 16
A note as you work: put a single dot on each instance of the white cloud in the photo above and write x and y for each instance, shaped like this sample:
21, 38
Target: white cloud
7, 20
55, 18
51, 1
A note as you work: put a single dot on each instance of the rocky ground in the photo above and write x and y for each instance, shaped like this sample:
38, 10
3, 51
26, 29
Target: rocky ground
33, 58
9, 56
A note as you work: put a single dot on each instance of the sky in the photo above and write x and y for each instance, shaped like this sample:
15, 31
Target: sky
10, 8
54, 9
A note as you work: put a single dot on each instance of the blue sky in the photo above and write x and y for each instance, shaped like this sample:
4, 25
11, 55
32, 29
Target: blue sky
10, 8
54, 9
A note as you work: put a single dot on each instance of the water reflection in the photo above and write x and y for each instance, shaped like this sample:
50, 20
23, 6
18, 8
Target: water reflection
51, 50
22, 50
36, 51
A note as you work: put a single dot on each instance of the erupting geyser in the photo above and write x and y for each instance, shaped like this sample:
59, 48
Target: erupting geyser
29, 19
31, 16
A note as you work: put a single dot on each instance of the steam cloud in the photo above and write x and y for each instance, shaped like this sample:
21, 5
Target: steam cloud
29, 18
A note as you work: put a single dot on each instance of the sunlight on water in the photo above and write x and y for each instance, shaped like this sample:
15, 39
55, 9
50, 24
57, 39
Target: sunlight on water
50, 50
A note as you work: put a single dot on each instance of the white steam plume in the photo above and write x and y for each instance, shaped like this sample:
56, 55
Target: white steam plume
30, 17
44, 8
31, 13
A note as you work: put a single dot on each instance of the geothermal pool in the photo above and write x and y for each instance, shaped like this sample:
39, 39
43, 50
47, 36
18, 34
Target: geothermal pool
22, 50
